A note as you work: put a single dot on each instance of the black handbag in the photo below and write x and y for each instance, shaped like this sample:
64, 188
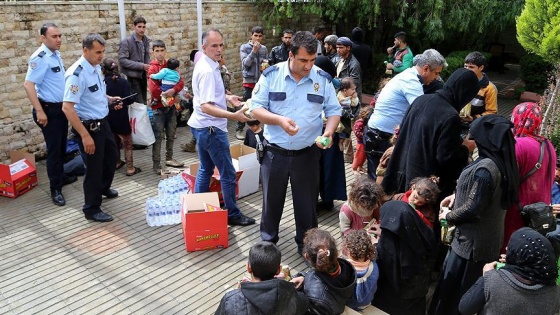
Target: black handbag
539, 216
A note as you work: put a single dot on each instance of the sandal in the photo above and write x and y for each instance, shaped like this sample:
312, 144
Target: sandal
120, 164
136, 171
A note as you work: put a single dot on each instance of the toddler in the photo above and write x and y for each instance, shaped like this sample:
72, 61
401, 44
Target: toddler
422, 196
254, 130
362, 207
331, 282
362, 255
348, 99
359, 128
169, 77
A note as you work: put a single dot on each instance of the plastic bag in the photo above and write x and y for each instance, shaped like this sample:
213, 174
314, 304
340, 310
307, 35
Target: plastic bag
142, 133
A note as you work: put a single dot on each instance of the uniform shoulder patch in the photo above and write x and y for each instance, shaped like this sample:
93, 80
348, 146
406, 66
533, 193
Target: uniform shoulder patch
41, 54
269, 70
79, 69
324, 74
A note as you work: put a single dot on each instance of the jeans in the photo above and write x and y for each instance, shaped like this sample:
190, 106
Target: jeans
213, 151
164, 120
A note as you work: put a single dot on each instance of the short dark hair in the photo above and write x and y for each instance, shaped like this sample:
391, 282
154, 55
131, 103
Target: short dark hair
173, 63
264, 259
139, 19
157, 43
346, 83
304, 39
110, 66
401, 36
287, 31
317, 29
91, 38
257, 29
43, 30
253, 123
475, 58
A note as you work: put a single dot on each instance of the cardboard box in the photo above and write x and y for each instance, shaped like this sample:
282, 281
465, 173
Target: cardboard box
170, 172
20, 176
203, 229
189, 175
244, 159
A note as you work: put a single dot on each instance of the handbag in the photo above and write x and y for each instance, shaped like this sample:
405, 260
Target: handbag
142, 133
538, 216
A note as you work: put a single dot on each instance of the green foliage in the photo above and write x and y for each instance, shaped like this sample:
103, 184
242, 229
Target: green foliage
538, 28
371, 82
534, 70
456, 60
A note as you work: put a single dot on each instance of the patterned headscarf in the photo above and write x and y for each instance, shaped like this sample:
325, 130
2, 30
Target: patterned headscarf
527, 119
530, 255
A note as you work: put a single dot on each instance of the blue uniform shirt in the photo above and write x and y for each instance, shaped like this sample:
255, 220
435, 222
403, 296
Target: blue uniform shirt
46, 70
85, 87
278, 92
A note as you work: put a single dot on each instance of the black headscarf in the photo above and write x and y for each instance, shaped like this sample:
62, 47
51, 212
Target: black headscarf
461, 87
326, 65
494, 140
530, 255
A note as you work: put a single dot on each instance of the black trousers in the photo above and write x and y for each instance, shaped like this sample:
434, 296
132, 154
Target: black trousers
140, 86
100, 167
381, 141
302, 171
55, 134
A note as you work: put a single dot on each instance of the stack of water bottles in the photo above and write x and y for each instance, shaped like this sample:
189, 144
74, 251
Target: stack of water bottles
165, 208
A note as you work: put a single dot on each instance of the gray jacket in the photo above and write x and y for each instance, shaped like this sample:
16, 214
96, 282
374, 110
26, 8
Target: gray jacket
251, 62
478, 215
131, 56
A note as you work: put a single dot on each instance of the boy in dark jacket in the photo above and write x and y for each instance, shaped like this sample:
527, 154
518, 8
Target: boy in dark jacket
264, 294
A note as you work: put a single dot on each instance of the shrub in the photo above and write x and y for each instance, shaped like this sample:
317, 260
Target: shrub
456, 60
534, 71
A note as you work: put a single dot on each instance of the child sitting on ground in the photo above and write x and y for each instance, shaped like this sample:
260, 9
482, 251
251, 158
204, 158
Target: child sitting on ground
422, 196
362, 207
264, 294
348, 99
254, 130
362, 255
359, 129
169, 77
332, 281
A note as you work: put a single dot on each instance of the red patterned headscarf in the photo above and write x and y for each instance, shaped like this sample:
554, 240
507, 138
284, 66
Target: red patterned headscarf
527, 119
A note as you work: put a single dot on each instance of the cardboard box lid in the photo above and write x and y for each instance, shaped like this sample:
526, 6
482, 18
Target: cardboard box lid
22, 163
243, 156
195, 202
18, 155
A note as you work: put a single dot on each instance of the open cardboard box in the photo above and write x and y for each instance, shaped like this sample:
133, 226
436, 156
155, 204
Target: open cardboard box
244, 159
20, 176
203, 229
189, 175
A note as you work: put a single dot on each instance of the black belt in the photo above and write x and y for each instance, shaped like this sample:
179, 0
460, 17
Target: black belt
50, 104
276, 149
93, 124
382, 134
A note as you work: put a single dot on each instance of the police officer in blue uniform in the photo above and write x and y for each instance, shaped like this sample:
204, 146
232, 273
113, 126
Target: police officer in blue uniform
289, 99
86, 106
44, 85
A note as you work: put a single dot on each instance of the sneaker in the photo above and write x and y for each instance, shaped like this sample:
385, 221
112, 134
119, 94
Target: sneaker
174, 163
189, 147
157, 169
240, 135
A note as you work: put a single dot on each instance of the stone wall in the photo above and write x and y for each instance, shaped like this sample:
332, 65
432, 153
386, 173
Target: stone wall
172, 21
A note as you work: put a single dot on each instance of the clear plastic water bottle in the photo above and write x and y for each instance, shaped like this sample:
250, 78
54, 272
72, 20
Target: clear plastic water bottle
149, 212
157, 214
169, 212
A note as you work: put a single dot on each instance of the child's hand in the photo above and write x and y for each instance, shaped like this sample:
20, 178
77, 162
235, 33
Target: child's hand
298, 281
375, 229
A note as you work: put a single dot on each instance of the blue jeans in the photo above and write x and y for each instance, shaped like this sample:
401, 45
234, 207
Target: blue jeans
213, 151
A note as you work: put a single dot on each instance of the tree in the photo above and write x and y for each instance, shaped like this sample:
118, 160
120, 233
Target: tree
538, 28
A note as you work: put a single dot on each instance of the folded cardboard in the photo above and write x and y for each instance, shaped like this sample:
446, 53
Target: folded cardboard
204, 223
244, 159
189, 175
18, 177
170, 172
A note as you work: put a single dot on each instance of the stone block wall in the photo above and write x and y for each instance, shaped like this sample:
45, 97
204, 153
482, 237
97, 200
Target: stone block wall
174, 22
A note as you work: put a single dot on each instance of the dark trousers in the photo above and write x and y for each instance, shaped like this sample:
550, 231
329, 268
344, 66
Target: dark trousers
381, 142
100, 167
55, 134
302, 171
164, 125
247, 93
139, 86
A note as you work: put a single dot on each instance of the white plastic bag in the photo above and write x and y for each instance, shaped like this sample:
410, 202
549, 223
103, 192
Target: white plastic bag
142, 133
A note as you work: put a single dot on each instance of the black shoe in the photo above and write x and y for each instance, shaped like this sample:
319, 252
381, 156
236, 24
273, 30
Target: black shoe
240, 220
69, 180
100, 217
325, 206
58, 198
111, 193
